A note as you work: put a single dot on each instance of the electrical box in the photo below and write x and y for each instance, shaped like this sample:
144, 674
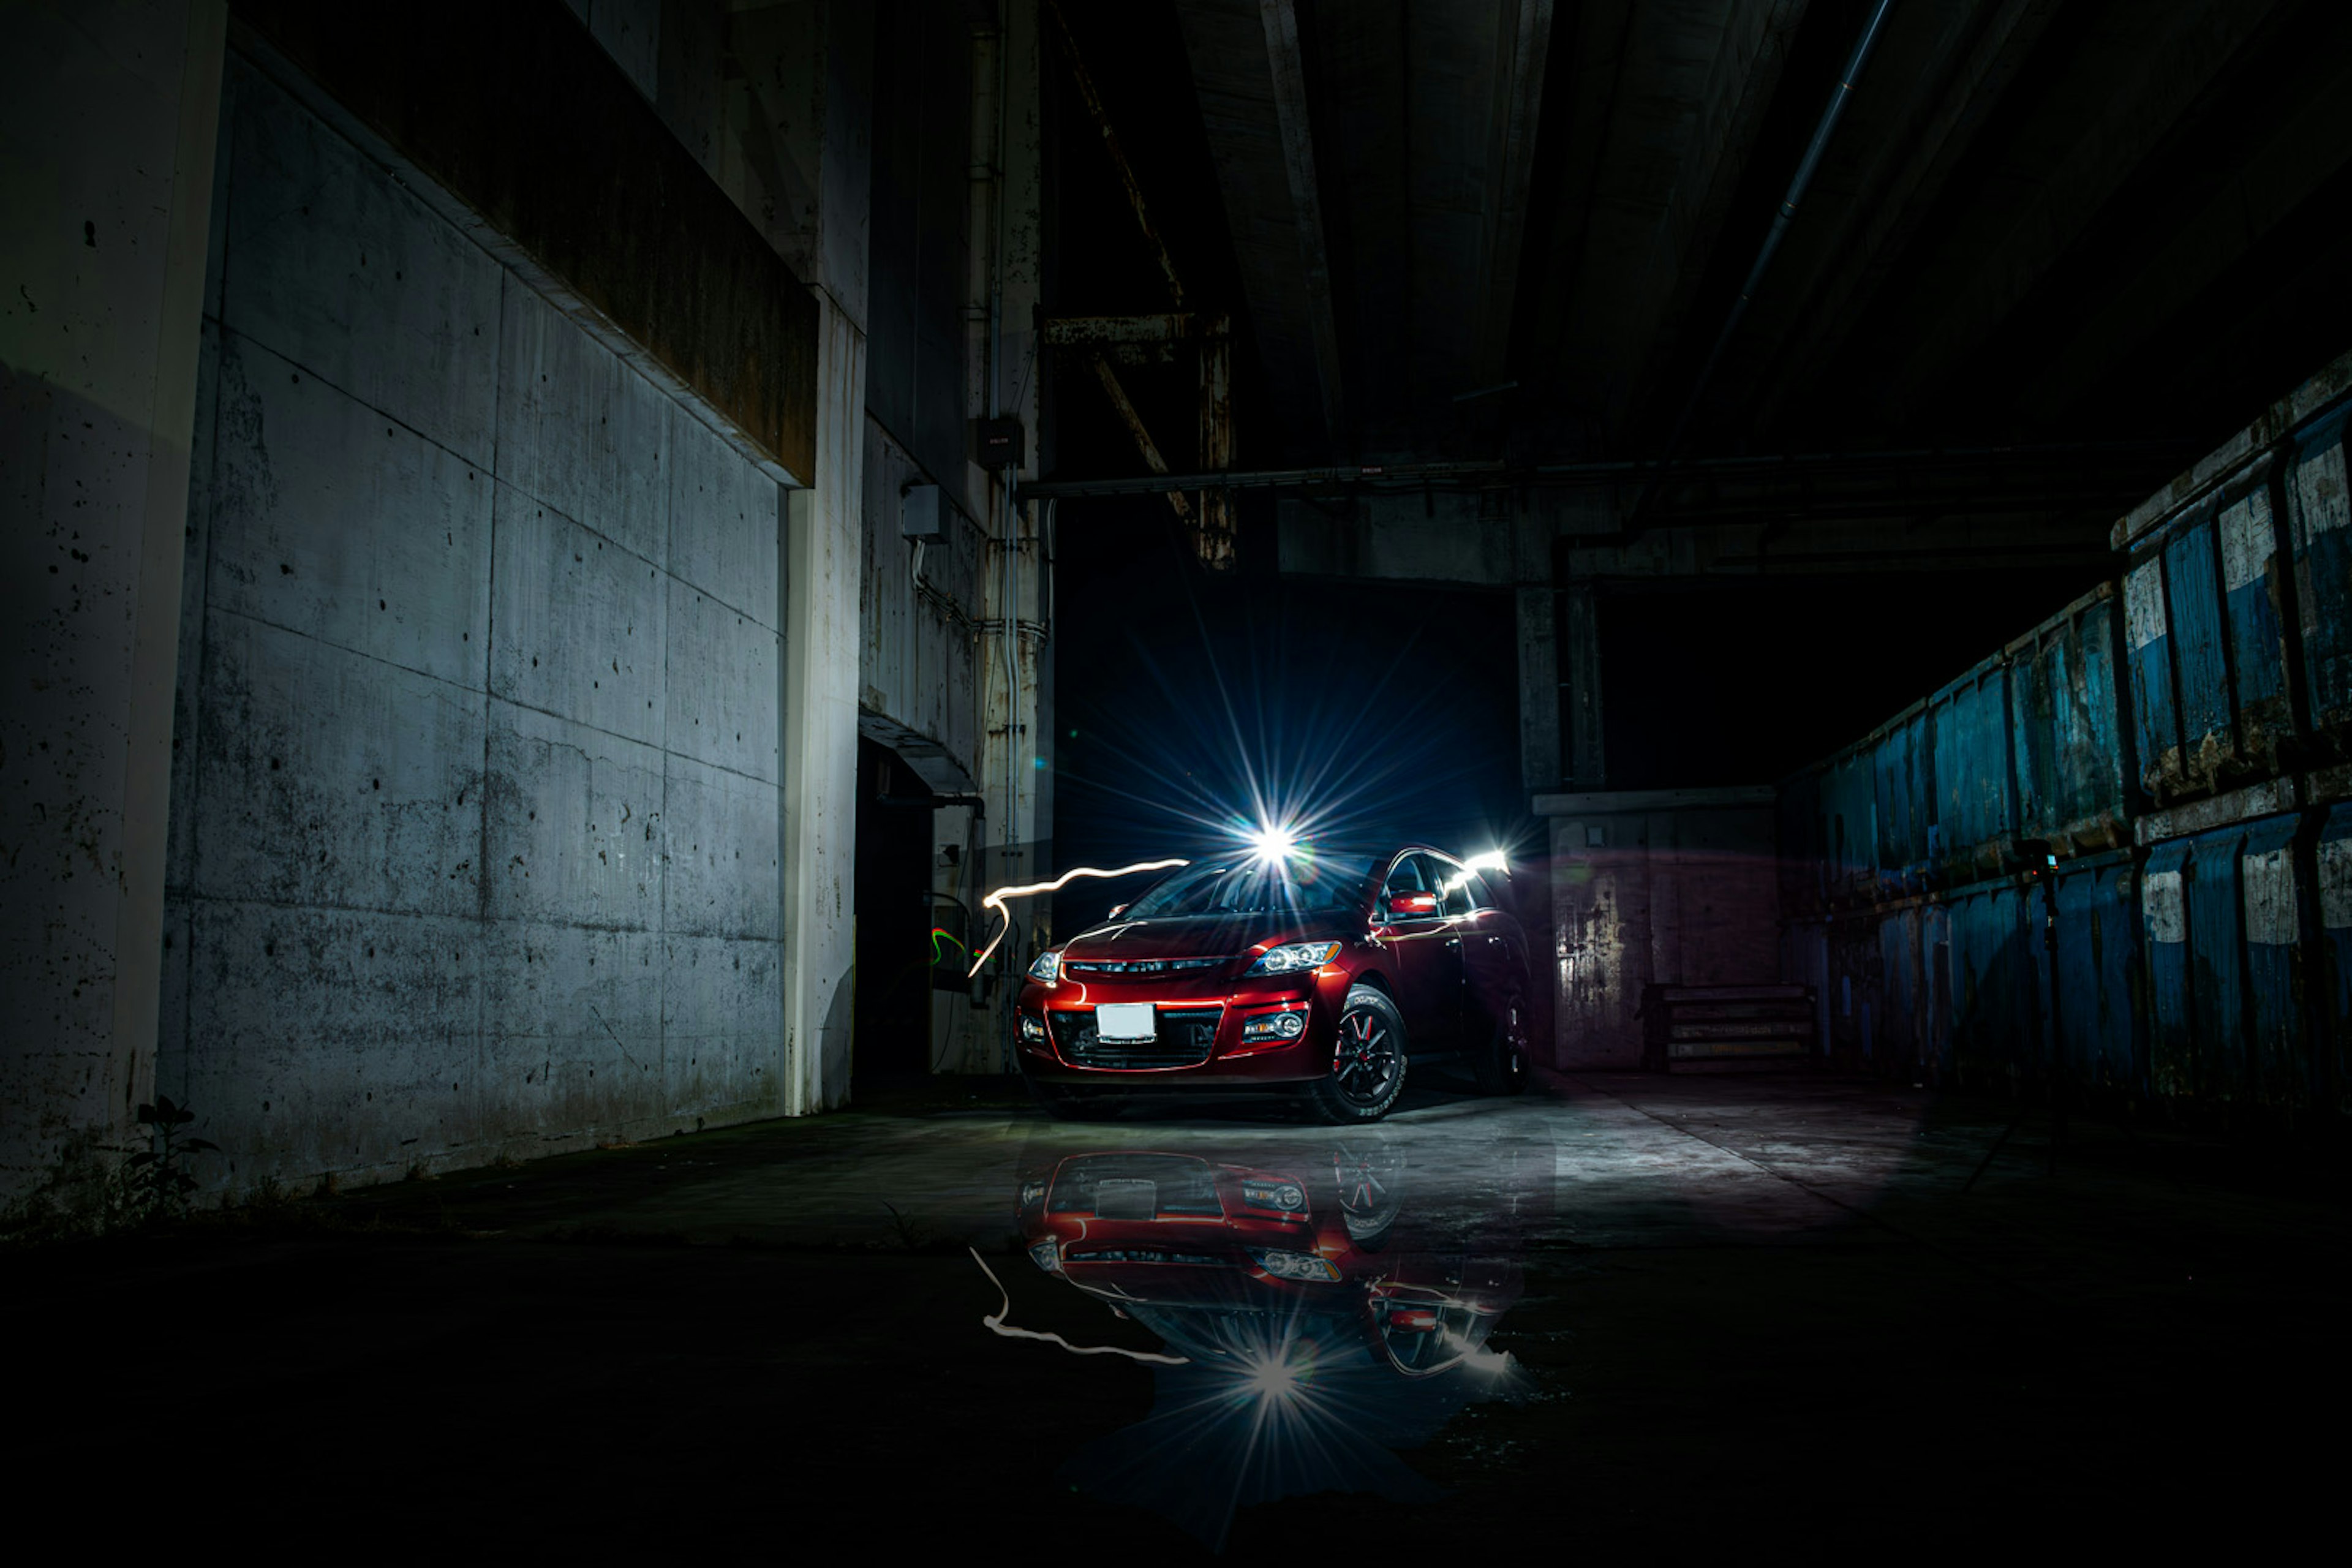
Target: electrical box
921, 512
998, 443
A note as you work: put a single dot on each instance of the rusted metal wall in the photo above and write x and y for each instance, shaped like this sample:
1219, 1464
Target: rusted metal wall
2178, 743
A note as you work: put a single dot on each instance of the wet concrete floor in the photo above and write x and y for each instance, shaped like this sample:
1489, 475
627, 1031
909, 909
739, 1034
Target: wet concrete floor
1622, 1310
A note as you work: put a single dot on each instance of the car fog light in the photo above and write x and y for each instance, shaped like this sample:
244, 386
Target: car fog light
1032, 1030
1047, 1256
1275, 1027
1296, 1266
1285, 1195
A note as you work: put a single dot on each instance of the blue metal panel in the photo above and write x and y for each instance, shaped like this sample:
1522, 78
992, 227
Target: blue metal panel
2200, 668
2321, 513
2155, 727
1900, 762
1850, 796
2332, 872
1901, 1026
2217, 994
2065, 744
2280, 1062
2246, 531
1936, 961
2164, 912
2100, 1021
1993, 969
1970, 742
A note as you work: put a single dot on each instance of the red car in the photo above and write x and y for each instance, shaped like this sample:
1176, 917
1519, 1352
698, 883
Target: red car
1328, 974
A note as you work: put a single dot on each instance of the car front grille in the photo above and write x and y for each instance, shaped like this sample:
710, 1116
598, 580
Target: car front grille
1186, 1035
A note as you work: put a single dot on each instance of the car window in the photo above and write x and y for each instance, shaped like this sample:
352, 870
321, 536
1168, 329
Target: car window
1409, 875
1249, 885
1460, 892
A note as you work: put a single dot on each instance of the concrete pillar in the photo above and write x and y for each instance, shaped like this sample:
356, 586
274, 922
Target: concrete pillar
822, 561
109, 115
1579, 684
1538, 689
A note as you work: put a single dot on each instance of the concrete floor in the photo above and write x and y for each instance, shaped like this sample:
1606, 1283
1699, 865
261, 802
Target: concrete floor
1759, 1310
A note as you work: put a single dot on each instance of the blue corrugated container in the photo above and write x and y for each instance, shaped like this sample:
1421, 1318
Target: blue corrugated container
1902, 1029
2101, 1019
2254, 577
1967, 728
2164, 907
1850, 809
2216, 979
2321, 516
2209, 665
1995, 1004
2068, 741
1905, 787
2332, 872
2270, 876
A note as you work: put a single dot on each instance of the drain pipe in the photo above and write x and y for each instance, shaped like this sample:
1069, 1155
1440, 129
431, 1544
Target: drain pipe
1764, 254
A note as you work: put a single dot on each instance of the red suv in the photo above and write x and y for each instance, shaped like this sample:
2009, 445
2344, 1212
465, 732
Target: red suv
1329, 972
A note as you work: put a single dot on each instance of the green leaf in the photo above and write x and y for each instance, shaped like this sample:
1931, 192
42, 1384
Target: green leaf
144, 1157
146, 1116
163, 1106
198, 1145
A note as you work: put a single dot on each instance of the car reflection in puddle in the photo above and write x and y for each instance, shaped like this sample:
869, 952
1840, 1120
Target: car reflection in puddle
1309, 1326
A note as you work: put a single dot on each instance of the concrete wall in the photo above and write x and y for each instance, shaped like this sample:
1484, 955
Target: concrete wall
106, 148
1673, 886
476, 789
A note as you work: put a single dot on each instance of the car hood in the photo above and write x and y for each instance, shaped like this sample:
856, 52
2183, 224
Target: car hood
1198, 936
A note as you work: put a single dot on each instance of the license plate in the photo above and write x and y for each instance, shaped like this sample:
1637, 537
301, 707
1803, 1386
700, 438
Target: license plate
1125, 1023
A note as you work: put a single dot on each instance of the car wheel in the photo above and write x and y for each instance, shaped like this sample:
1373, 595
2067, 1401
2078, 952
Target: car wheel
1368, 1064
1501, 1064
1372, 1190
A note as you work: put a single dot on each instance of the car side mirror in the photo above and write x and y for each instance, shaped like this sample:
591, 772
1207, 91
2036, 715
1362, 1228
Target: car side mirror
1408, 906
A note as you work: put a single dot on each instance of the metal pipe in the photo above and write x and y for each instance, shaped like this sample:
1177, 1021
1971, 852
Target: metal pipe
1496, 475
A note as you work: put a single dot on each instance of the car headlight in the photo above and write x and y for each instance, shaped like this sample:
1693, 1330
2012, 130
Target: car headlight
1296, 1266
1292, 956
1048, 967
1289, 1197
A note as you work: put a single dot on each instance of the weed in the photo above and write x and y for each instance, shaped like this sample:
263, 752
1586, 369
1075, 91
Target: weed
158, 1187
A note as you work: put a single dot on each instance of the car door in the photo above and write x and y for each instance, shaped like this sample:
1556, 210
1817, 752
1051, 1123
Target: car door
1425, 952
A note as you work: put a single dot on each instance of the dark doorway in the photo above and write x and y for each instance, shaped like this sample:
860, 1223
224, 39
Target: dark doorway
894, 925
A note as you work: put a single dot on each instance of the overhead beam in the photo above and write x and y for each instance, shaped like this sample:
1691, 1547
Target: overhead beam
2194, 47
1288, 72
1101, 118
1863, 238
1522, 47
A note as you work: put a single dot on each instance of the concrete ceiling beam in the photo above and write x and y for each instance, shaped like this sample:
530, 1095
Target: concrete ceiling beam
1522, 49
1288, 71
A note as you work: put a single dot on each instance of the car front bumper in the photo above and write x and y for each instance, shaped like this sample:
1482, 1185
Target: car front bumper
1199, 1025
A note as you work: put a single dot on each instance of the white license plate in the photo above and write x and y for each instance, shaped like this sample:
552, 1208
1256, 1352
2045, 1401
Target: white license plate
1125, 1023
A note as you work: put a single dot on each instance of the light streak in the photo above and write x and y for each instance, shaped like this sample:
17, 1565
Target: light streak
938, 932
995, 900
997, 1325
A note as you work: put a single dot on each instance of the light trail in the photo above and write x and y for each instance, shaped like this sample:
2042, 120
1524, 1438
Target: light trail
997, 1325
995, 900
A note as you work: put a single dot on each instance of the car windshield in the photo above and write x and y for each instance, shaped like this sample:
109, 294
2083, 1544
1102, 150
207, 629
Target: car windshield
1253, 885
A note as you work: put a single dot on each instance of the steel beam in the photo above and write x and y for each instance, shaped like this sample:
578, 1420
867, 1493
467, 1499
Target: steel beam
1143, 442
1095, 111
1168, 327
1297, 133
1522, 49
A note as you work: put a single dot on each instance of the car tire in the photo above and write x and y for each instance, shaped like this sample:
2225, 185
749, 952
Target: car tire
1501, 1064
1367, 1062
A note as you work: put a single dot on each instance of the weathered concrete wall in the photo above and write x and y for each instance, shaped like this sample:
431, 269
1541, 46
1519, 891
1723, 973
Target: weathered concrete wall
1678, 886
107, 132
475, 796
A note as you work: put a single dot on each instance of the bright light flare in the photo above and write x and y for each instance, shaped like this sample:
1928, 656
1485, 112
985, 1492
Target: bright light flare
995, 900
1270, 842
1492, 860
1275, 1378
